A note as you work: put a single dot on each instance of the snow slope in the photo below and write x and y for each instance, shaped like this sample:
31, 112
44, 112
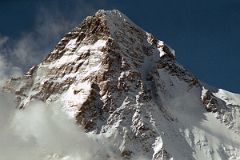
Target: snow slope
121, 83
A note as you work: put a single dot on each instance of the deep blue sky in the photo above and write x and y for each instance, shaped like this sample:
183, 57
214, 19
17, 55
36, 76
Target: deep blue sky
204, 33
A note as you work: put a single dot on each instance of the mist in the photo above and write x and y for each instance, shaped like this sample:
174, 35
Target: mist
8, 70
44, 132
49, 26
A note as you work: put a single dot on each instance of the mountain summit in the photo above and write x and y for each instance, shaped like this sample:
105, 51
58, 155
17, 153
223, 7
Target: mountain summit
120, 82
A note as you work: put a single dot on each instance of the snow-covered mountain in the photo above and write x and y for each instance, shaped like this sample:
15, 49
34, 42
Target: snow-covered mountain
120, 82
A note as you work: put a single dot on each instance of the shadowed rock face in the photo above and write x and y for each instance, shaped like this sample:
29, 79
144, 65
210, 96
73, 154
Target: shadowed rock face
210, 102
121, 82
91, 114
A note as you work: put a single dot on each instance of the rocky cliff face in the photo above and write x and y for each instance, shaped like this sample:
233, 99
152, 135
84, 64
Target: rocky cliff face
120, 82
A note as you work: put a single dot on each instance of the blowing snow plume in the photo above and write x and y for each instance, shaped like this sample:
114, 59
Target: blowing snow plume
44, 132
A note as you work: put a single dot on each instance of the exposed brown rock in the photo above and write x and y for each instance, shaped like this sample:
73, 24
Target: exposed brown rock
210, 102
91, 112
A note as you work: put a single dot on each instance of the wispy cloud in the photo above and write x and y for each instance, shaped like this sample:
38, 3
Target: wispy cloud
3, 40
7, 70
51, 23
50, 26
44, 132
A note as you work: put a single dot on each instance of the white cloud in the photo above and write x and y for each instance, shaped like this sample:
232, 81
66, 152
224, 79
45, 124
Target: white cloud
43, 132
18, 55
3, 40
7, 70
49, 26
